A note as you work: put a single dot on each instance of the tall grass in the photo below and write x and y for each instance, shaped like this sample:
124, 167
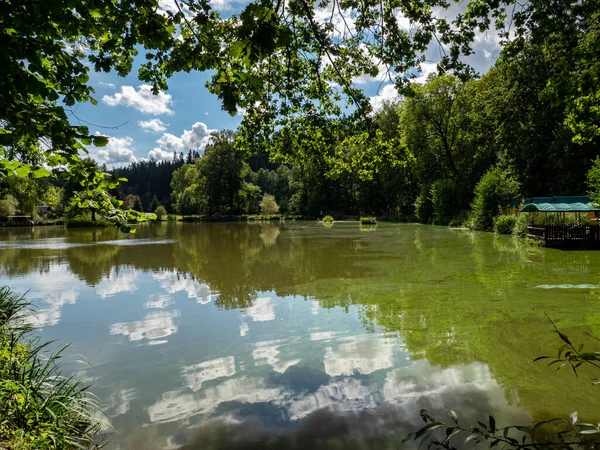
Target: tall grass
40, 408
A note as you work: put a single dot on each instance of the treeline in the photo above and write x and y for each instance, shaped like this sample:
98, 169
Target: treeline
452, 152
422, 158
150, 179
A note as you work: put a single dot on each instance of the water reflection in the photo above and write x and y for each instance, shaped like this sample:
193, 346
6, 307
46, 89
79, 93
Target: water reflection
300, 336
156, 325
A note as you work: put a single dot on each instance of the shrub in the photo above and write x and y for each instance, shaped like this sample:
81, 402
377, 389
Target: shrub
327, 219
171, 218
40, 408
8, 206
493, 192
505, 223
268, 205
160, 212
593, 181
368, 220
424, 206
445, 201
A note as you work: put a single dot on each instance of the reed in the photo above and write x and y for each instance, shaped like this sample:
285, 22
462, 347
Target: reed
40, 406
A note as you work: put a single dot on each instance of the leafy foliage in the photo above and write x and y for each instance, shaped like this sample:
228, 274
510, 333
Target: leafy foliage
160, 212
41, 408
327, 219
493, 193
593, 181
268, 205
505, 223
368, 220
8, 206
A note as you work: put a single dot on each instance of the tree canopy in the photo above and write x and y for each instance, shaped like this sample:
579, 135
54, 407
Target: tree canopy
291, 65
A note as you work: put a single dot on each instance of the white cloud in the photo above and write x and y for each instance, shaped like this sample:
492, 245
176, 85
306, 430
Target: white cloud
195, 139
107, 85
141, 99
177, 405
153, 125
262, 310
208, 370
159, 155
358, 354
158, 302
173, 282
387, 93
117, 282
117, 151
267, 352
156, 325
427, 68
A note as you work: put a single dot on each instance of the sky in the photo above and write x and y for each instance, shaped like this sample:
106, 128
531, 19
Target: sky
144, 126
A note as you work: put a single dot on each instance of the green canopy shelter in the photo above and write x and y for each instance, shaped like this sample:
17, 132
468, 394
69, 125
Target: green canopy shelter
581, 204
583, 234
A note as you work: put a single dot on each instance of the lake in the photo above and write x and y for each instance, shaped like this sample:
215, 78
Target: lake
297, 335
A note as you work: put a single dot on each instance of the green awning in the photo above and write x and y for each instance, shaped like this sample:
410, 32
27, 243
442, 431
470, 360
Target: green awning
559, 204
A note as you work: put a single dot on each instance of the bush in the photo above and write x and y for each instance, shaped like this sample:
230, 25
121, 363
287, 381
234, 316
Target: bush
171, 218
593, 181
445, 201
424, 206
505, 223
160, 212
40, 408
493, 192
8, 206
368, 220
268, 205
327, 219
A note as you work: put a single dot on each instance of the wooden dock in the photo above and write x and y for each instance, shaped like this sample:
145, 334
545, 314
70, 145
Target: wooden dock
578, 236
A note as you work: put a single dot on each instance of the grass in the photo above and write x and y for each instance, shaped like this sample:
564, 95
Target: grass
39, 406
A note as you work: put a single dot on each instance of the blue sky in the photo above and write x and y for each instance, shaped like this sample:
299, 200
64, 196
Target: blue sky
143, 126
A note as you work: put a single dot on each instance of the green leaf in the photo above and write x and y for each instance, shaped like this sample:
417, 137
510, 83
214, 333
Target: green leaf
22, 171
41, 173
100, 141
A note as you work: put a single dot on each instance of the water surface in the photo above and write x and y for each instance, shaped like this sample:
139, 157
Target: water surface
297, 335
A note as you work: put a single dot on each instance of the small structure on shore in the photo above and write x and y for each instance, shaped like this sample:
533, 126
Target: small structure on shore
563, 221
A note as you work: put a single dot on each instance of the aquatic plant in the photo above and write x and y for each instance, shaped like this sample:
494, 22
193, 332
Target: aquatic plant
40, 407
327, 219
368, 220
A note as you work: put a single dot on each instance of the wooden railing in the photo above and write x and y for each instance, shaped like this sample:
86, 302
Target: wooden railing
565, 233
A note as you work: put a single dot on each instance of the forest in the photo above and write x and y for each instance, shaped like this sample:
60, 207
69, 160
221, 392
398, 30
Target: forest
419, 159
